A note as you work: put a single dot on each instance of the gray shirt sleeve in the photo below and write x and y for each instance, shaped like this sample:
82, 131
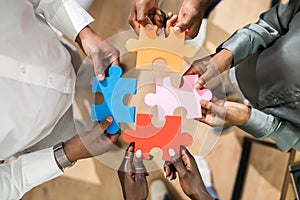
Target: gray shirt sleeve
262, 125
257, 36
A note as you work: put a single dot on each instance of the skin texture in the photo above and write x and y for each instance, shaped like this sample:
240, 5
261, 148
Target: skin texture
132, 175
184, 165
189, 17
78, 146
146, 13
100, 51
225, 113
211, 66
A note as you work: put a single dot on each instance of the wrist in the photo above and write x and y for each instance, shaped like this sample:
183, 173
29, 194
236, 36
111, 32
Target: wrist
200, 195
75, 150
87, 39
223, 59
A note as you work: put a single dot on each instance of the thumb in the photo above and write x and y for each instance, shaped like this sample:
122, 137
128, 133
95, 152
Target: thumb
98, 64
177, 162
104, 124
213, 108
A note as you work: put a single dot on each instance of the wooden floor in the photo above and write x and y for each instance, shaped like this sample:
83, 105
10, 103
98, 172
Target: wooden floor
90, 179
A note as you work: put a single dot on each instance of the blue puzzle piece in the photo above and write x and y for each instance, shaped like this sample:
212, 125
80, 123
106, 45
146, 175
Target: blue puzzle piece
114, 89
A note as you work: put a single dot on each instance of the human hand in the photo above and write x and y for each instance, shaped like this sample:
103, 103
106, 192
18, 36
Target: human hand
132, 175
91, 143
189, 176
146, 12
100, 51
225, 113
190, 16
211, 66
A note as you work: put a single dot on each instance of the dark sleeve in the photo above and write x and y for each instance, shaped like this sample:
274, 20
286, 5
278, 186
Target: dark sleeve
257, 36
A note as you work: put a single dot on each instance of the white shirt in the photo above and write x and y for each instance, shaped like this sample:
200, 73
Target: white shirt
36, 86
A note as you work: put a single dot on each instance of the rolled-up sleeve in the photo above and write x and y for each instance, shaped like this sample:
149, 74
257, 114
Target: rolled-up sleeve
19, 175
257, 36
65, 15
262, 125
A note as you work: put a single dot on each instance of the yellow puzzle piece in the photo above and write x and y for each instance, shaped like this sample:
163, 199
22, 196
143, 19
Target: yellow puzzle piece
149, 48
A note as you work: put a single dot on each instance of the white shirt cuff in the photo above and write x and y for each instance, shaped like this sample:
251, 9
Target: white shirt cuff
39, 167
65, 15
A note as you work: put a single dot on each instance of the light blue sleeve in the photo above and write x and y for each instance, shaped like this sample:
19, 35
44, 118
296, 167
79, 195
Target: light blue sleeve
262, 125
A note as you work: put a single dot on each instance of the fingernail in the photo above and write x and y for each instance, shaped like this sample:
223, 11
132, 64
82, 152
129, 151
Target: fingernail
109, 119
197, 85
159, 12
172, 152
100, 77
149, 26
177, 29
138, 153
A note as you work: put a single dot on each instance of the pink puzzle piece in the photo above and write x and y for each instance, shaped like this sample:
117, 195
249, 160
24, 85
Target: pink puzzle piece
168, 98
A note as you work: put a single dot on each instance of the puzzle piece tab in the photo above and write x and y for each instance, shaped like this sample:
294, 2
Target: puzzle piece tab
149, 47
168, 98
114, 89
147, 137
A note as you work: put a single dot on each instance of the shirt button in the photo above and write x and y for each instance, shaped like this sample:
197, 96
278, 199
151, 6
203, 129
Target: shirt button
23, 70
50, 79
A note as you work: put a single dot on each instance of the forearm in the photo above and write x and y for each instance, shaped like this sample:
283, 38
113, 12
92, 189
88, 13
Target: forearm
22, 174
257, 36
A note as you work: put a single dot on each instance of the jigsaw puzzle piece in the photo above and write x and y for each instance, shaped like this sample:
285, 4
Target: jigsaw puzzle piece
147, 137
168, 98
149, 48
114, 89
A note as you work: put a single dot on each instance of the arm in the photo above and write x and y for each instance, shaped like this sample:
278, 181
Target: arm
18, 176
72, 20
22, 174
253, 121
65, 15
248, 40
262, 125
189, 176
257, 36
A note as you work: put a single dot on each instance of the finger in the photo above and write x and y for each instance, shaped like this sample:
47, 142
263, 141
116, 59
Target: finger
116, 62
193, 29
142, 15
167, 169
114, 137
126, 165
177, 162
159, 18
200, 83
218, 110
139, 167
187, 158
104, 124
170, 23
132, 19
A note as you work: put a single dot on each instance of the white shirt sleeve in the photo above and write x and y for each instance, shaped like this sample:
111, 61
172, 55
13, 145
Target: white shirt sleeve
25, 172
65, 15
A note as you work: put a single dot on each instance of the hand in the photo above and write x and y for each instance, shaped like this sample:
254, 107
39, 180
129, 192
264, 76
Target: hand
146, 12
189, 176
91, 143
132, 175
224, 113
190, 16
211, 66
100, 51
